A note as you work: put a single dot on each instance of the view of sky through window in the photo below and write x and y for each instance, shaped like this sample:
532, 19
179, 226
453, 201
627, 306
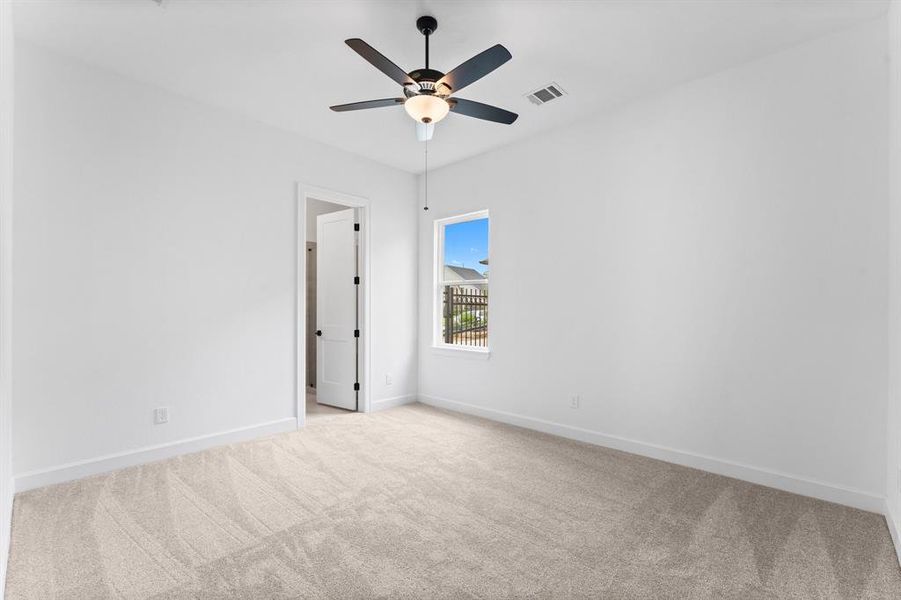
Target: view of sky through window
466, 243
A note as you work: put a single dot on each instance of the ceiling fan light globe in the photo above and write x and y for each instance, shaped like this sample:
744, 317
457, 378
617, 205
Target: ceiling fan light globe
426, 108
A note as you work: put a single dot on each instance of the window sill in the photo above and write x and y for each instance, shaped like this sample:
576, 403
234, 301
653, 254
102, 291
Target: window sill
457, 352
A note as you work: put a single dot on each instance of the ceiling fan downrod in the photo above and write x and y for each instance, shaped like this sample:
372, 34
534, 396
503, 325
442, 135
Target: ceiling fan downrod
426, 26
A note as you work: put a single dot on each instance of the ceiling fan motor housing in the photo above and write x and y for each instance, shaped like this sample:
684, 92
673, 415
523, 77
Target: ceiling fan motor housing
426, 79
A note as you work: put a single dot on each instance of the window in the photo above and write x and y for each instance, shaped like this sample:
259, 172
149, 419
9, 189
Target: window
461, 292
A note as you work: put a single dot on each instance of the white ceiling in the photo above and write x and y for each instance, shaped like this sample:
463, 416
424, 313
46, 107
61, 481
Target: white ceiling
284, 63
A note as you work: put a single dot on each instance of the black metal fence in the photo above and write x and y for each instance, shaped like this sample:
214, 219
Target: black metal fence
465, 320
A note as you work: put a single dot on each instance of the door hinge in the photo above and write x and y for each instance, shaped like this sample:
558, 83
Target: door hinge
356, 333
356, 387
357, 280
356, 227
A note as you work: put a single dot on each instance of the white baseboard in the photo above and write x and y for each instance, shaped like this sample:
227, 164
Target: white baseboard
774, 479
893, 529
147, 454
392, 402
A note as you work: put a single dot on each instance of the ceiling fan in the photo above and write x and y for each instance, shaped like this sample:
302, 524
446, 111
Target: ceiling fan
428, 94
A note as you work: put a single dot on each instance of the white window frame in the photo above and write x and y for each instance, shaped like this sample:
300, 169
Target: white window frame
439, 283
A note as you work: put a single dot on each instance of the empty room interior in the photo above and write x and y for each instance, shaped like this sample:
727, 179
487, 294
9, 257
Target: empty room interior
450, 299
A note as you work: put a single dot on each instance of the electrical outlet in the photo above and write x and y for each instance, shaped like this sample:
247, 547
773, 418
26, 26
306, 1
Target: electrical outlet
575, 401
388, 380
160, 415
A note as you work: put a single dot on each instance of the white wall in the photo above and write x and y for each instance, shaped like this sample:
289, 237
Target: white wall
893, 446
155, 265
6, 191
706, 268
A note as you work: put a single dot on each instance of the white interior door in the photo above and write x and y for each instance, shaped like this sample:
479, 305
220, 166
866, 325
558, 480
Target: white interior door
336, 309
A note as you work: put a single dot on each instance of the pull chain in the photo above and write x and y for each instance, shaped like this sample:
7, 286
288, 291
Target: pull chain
426, 174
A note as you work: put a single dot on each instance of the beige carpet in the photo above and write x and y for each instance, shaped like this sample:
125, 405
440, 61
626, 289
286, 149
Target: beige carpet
420, 503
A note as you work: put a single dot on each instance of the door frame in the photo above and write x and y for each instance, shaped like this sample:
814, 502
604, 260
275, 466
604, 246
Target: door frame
304, 192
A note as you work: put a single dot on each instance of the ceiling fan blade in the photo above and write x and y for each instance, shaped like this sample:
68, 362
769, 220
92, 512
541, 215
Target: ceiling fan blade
481, 111
380, 62
475, 68
367, 104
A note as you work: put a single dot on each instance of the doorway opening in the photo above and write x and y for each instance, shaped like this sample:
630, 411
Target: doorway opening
333, 303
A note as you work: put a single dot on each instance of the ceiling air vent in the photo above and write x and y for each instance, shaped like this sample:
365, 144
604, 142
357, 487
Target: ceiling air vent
544, 95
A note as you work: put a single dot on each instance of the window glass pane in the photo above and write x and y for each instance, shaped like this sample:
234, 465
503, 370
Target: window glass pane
464, 315
464, 294
466, 250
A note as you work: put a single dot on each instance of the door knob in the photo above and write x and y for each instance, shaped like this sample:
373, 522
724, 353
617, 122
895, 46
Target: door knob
319, 332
